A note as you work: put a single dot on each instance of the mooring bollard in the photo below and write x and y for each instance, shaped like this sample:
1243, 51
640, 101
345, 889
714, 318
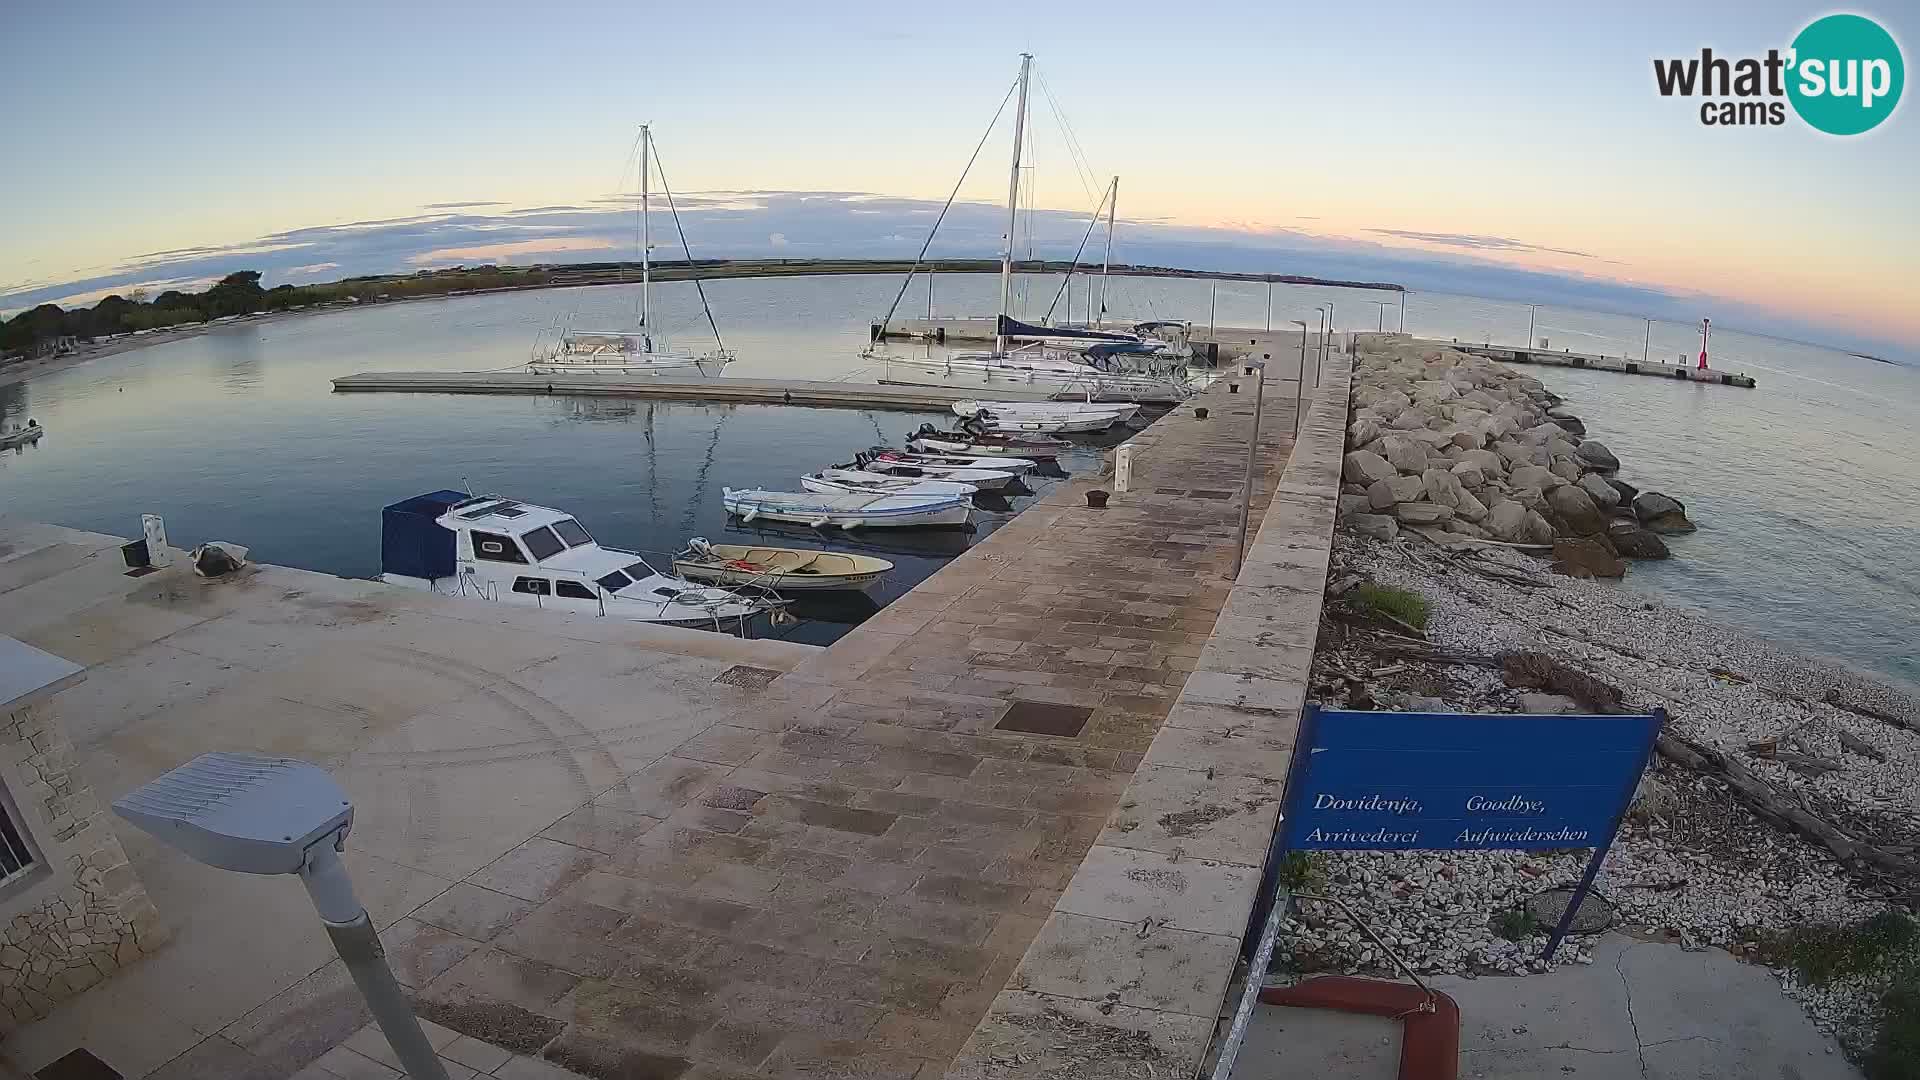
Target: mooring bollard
1097, 499
1200, 412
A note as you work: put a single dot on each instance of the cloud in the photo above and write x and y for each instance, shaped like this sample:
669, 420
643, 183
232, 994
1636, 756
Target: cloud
505, 252
778, 240
1478, 242
312, 268
458, 205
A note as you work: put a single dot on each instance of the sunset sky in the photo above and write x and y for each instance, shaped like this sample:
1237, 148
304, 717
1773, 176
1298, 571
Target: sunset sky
1516, 135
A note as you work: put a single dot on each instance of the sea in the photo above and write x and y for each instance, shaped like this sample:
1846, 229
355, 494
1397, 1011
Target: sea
1806, 489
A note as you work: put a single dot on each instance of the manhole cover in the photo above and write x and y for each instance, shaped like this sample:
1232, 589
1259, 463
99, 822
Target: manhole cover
1596, 912
753, 678
1043, 718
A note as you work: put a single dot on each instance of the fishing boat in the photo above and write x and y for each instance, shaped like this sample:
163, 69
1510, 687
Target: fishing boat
1081, 421
841, 481
977, 479
491, 548
783, 568
971, 439
22, 436
949, 461
847, 511
636, 352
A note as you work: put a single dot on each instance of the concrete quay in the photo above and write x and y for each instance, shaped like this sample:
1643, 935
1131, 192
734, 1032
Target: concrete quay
638, 851
840, 395
1508, 354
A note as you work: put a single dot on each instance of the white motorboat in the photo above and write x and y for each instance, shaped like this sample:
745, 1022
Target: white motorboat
1069, 380
951, 461
490, 548
783, 568
842, 481
1079, 422
978, 479
976, 441
1065, 409
636, 352
847, 511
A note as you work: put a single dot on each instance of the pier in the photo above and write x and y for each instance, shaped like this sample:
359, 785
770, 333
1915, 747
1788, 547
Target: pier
833, 395
1509, 354
609, 847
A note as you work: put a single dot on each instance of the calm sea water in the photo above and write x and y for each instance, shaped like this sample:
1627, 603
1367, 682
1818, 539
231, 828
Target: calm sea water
1805, 490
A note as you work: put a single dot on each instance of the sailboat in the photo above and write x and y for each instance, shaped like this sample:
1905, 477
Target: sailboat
636, 352
1040, 365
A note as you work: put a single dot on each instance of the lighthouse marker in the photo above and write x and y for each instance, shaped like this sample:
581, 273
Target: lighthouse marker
1705, 324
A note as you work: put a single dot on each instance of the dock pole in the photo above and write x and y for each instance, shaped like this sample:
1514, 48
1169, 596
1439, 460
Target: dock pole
1253, 448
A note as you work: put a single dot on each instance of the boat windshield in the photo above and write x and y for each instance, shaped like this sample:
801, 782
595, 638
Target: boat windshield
614, 582
571, 533
543, 543
639, 570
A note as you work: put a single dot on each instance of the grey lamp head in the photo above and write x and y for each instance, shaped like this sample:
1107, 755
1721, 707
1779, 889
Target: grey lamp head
244, 812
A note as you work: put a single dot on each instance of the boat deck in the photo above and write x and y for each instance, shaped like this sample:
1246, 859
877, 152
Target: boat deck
840, 395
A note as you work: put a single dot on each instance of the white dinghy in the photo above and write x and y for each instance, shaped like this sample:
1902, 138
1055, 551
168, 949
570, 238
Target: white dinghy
847, 511
785, 568
1047, 410
951, 461
977, 479
855, 481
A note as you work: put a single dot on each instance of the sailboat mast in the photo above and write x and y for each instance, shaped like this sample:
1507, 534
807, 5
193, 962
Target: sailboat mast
646, 233
1013, 206
1113, 196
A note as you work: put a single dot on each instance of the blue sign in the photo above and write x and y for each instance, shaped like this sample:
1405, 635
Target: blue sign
1394, 781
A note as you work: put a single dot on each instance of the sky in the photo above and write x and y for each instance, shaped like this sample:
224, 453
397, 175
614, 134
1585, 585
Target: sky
1516, 150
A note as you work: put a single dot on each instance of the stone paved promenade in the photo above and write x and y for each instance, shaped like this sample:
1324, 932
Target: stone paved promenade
840, 879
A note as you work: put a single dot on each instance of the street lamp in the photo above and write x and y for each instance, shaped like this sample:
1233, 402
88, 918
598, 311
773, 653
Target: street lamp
1403, 311
274, 815
1269, 306
1325, 312
1259, 369
1300, 398
1530, 311
1381, 326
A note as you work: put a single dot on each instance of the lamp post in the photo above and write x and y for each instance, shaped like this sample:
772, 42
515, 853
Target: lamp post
1325, 312
273, 815
1300, 398
1646, 346
1530, 311
1253, 448
1403, 311
1269, 307
1213, 309
1381, 326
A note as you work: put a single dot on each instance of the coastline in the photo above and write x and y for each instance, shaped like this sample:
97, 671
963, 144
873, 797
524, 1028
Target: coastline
24, 370
1706, 858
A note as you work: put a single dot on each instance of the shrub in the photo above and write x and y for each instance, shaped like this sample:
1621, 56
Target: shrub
1403, 604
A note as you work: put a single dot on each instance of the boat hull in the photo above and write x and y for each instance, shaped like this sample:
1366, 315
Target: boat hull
936, 445
783, 569
752, 506
668, 366
1058, 382
859, 482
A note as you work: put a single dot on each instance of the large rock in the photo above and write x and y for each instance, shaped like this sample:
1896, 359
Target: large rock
1599, 491
1442, 487
1627, 491
1535, 476
1508, 521
1362, 432
1595, 455
1378, 526
1354, 504
1586, 556
1516, 454
1539, 529
1422, 513
1470, 475
1636, 542
1410, 420
1661, 513
1489, 462
1406, 455
1470, 507
1385, 494
1575, 510
1565, 469
1364, 467
1570, 424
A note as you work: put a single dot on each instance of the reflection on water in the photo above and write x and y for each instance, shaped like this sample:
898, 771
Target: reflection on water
1805, 489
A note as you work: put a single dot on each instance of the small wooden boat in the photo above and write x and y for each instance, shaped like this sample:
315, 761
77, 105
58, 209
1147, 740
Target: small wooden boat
842, 481
978, 479
783, 568
22, 436
930, 439
950, 461
1050, 417
847, 511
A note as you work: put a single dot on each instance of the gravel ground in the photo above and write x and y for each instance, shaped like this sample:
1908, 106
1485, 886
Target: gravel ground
1693, 865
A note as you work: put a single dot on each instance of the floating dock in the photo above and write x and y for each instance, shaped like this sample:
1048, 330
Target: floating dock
1508, 354
833, 395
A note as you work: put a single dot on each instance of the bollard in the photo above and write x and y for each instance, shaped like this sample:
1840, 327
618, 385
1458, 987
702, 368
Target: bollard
1097, 500
1200, 412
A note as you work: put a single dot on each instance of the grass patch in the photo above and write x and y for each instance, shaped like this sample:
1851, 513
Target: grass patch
1300, 871
1822, 954
1403, 604
1516, 924
1896, 1049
